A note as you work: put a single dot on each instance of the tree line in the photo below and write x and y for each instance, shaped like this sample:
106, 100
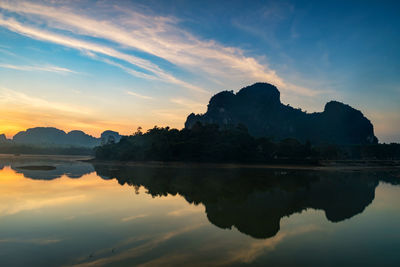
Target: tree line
211, 143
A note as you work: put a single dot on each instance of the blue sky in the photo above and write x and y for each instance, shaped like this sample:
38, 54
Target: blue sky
96, 65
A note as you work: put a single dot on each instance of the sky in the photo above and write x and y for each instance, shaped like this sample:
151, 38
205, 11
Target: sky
98, 65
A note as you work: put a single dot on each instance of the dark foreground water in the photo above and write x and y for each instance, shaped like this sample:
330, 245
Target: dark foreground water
79, 214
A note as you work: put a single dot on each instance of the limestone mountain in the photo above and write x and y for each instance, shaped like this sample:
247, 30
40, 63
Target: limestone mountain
53, 137
259, 108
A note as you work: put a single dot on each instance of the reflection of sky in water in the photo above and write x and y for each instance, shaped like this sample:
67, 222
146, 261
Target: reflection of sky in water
93, 221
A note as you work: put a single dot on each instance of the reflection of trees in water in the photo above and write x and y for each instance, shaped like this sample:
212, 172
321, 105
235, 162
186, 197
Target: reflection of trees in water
250, 199
255, 200
72, 169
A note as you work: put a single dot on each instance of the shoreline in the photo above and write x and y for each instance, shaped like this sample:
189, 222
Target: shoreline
323, 166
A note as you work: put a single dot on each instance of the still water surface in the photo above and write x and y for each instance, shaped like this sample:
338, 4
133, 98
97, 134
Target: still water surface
79, 214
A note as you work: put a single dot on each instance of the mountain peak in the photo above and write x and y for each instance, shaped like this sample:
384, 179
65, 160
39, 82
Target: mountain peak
258, 107
260, 91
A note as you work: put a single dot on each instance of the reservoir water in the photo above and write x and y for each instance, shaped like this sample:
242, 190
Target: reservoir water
58, 211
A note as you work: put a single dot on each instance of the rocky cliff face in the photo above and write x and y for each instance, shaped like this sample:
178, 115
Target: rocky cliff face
259, 108
110, 137
3, 139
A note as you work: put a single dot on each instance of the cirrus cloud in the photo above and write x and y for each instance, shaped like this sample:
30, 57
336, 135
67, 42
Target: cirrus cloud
158, 38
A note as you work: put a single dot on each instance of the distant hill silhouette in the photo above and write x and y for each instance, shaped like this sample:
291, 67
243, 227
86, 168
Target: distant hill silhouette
53, 137
259, 108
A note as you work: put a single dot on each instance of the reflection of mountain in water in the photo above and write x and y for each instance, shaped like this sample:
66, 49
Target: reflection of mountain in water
72, 169
255, 200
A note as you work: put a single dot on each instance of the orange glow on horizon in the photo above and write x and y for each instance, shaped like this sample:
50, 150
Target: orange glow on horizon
20, 194
13, 121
